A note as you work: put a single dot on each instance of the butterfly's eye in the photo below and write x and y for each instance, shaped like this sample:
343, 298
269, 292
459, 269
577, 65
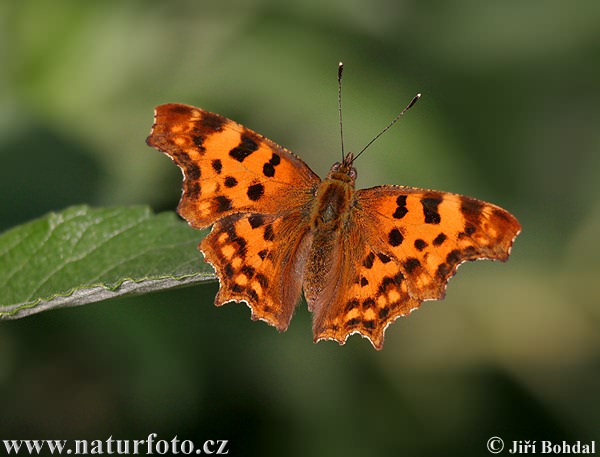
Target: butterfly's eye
336, 167
352, 173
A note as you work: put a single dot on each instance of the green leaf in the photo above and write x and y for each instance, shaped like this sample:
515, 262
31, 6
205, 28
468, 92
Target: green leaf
83, 255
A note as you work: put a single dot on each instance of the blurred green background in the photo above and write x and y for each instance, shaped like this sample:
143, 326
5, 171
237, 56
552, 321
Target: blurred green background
510, 114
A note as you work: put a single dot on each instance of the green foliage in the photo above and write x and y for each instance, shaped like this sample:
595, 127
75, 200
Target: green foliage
83, 255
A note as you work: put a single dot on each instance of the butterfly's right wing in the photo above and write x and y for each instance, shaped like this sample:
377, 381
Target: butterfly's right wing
430, 233
402, 246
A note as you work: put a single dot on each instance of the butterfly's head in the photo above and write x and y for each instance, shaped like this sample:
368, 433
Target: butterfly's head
344, 171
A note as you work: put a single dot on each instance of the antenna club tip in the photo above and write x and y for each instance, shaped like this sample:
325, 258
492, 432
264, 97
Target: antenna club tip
412, 102
340, 71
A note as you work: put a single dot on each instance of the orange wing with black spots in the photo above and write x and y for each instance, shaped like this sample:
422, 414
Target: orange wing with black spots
402, 247
431, 233
373, 292
259, 260
256, 194
228, 168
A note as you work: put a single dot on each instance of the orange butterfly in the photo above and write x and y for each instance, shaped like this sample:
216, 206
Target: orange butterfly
362, 257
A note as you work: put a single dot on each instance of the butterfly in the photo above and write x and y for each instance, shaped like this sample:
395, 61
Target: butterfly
362, 258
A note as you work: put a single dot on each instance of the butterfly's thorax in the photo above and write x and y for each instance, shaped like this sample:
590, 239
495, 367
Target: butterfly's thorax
332, 204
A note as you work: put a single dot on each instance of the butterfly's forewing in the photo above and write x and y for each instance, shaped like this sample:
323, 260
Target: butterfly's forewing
431, 233
228, 168
255, 193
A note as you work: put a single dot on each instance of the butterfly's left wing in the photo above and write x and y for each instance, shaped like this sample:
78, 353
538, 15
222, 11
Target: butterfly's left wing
255, 193
405, 245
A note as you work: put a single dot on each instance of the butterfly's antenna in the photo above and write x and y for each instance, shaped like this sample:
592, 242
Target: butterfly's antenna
409, 106
340, 71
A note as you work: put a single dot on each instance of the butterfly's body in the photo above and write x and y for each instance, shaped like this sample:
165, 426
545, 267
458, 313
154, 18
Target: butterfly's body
362, 257
330, 217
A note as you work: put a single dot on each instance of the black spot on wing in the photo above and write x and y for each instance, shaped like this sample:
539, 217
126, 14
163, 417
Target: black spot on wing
275, 160
242, 249
401, 209
399, 213
368, 262
501, 214
468, 231
269, 167
262, 280
395, 238
470, 207
222, 204
383, 313
387, 281
230, 181
212, 122
268, 170
256, 220
231, 232
255, 191
430, 209
443, 271
248, 271
234, 238
390, 281
351, 305
453, 258
254, 295
246, 147
368, 303
384, 258
438, 240
217, 166
369, 324
184, 159
199, 141
411, 264
470, 252
192, 171
420, 244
